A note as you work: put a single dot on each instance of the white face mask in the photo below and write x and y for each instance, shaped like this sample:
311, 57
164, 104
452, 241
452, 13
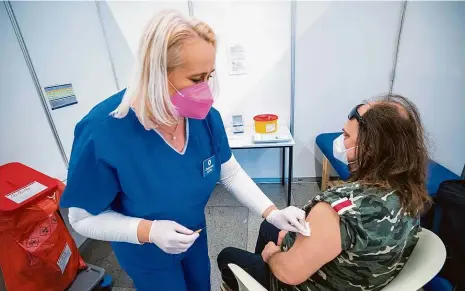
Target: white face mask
340, 151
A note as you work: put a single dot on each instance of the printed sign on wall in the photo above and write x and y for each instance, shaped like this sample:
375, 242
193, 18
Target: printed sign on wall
237, 60
60, 96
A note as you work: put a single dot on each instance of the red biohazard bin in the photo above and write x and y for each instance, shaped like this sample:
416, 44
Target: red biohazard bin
36, 250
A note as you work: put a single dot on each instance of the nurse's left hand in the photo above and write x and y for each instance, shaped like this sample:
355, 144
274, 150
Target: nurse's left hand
290, 219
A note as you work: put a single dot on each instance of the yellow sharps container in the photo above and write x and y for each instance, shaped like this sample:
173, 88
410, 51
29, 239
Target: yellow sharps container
266, 123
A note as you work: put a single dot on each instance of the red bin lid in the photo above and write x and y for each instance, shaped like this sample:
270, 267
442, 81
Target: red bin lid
266, 117
20, 185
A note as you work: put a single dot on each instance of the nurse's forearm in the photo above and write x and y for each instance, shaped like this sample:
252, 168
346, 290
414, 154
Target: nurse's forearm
106, 226
143, 231
268, 211
241, 186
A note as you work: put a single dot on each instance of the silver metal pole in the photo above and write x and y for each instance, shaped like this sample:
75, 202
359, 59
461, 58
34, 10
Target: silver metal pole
396, 52
293, 41
107, 44
190, 4
32, 71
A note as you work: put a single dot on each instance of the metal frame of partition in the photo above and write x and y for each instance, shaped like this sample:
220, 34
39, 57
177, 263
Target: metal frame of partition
396, 51
293, 44
107, 44
291, 122
190, 6
35, 79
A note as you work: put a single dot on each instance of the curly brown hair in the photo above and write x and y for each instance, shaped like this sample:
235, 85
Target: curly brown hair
392, 152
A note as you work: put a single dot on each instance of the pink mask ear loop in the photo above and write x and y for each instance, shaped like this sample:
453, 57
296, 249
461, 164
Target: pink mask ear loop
175, 88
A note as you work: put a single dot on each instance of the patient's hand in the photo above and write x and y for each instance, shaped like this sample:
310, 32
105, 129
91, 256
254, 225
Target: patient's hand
270, 249
281, 236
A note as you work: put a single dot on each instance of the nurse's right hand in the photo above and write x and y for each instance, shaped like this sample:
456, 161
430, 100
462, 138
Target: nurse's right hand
171, 237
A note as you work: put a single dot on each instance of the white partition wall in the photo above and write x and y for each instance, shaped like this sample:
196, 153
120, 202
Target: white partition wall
344, 54
124, 22
66, 45
263, 29
25, 135
431, 72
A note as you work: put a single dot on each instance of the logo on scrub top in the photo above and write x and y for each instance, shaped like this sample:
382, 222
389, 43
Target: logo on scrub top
208, 166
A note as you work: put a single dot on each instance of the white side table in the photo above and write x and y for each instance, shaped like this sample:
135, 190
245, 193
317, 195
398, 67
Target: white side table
244, 141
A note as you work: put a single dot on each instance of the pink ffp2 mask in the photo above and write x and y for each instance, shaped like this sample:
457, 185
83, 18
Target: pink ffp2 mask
194, 101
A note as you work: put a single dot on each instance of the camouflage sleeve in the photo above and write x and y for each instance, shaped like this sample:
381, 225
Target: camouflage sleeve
353, 234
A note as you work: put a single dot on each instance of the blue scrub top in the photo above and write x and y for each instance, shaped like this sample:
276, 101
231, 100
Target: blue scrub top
118, 164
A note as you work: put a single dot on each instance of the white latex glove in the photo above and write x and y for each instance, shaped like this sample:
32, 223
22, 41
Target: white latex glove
290, 219
171, 237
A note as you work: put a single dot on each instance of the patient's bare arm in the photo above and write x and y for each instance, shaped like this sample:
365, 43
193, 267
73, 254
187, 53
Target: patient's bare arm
309, 254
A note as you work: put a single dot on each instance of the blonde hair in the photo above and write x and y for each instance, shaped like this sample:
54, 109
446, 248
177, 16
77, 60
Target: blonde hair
160, 52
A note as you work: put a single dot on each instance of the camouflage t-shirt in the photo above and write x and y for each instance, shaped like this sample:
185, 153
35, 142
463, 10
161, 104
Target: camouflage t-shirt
377, 239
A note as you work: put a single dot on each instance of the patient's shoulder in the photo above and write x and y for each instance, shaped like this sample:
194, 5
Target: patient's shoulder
360, 199
367, 213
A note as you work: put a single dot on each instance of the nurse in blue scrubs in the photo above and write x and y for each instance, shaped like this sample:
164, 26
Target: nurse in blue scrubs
146, 160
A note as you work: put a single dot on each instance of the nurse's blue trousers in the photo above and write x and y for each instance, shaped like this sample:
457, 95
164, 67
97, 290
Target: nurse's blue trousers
192, 273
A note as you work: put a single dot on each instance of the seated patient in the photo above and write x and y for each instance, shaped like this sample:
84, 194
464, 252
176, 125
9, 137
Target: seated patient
363, 231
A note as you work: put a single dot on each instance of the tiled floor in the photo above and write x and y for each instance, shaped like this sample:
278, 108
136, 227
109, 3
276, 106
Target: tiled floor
229, 224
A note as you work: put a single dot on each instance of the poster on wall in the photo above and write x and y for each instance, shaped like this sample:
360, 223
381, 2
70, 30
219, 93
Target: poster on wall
60, 96
237, 60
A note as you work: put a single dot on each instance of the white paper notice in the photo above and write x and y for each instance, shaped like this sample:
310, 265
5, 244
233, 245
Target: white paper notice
237, 60
21, 195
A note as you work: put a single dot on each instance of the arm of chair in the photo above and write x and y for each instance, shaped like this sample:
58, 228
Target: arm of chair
244, 280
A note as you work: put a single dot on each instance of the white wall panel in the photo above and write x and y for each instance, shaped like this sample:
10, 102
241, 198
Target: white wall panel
263, 29
66, 45
25, 135
431, 72
344, 54
124, 23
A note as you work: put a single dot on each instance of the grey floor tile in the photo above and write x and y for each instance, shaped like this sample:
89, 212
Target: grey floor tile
303, 192
277, 193
94, 252
215, 276
120, 278
100, 254
221, 197
252, 231
227, 227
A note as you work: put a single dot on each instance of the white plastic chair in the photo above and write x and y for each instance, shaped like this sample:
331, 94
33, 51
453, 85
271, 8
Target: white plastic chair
426, 261
244, 280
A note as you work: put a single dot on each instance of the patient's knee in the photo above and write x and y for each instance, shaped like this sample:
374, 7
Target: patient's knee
225, 257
